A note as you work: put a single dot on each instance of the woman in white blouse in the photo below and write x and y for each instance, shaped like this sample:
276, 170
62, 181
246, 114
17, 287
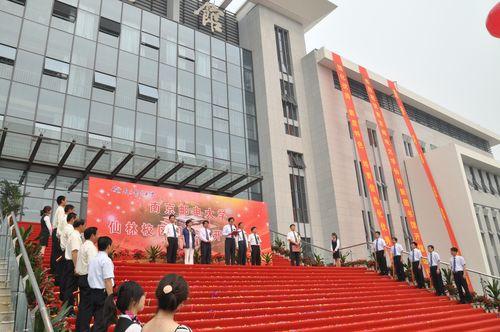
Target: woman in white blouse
46, 228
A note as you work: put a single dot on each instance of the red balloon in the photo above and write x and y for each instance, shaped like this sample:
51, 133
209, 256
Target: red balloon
493, 21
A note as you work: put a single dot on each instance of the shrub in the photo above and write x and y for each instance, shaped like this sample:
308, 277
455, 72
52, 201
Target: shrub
153, 253
267, 258
138, 254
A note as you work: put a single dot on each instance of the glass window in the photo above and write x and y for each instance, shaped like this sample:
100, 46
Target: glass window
185, 137
109, 27
185, 64
112, 9
93, 6
167, 105
219, 64
235, 99
236, 123
39, 11
168, 30
129, 40
128, 65
204, 142
148, 71
166, 133
148, 93
203, 114
83, 52
168, 52
124, 124
101, 118
185, 83
64, 11
22, 101
221, 113
150, 23
50, 107
28, 68
248, 80
86, 25
219, 94
80, 81
185, 116
218, 48
106, 59
33, 37
126, 92
202, 64
186, 103
186, 36
56, 68
9, 29
4, 92
168, 78
202, 42
238, 153
251, 125
221, 125
203, 89
219, 75
105, 82
131, 16
221, 145
76, 113
253, 152
233, 54
249, 103
234, 75
150, 40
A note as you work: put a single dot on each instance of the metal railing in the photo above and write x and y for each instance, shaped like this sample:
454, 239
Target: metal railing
10, 239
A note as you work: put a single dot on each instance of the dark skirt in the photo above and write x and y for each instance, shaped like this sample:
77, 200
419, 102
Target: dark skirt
44, 238
336, 254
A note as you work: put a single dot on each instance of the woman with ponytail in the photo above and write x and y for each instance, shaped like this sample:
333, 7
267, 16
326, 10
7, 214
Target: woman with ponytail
171, 292
46, 228
130, 299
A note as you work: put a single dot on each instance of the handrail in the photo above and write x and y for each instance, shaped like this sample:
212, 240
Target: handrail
31, 275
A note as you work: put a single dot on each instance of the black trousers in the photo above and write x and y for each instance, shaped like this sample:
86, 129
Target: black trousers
68, 283
56, 252
255, 255
97, 298
418, 274
206, 252
85, 306
462, 286
294, 257
242, 253
230, 251
381, 262
437, 280
173, 245
398, 268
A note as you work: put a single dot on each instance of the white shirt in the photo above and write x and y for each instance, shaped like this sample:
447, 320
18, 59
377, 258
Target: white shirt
59, 219
415, 255
378, 244
46, 220
169, 230
227, 230
87, 251
433, 258
457, 263
242, 236
74, 243
396, 249
254, 240
337, 247
205, 235
100, 268
293, 237
66, 231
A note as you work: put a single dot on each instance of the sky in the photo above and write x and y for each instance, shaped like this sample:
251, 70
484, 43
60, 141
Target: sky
440, 50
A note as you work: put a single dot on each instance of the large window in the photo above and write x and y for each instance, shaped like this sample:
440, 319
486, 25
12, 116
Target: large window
296, 168
289, 105
283, 49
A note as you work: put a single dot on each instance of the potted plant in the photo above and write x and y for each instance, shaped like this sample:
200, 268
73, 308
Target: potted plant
10, 197
138, 254
153, 253
267, 258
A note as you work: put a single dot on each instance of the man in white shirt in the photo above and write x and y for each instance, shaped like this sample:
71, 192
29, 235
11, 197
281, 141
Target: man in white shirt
397, 250
87, 251
230, 232
294, 240
242, 244
171, 232
63, 261
73, 241
457, 263
416, 264
56, 247
379, 250
206, 239
101, 281
255, 242
434, 259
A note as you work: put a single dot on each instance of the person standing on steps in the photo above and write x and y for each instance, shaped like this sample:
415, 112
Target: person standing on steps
189, 242
63, 264
335, 248
416, 265
242, 244
437, 280
171, 232
206, 239
397, 250
294, 240
379, 250
73, 245
59, 217
255, 242
46, 228
230, 232
457, 268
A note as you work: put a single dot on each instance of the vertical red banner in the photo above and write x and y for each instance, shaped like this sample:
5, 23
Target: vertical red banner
393, 161
360, 148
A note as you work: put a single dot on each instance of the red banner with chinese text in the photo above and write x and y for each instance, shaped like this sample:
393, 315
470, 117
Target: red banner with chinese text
393, 161
134, 215
360, 148
427, 169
